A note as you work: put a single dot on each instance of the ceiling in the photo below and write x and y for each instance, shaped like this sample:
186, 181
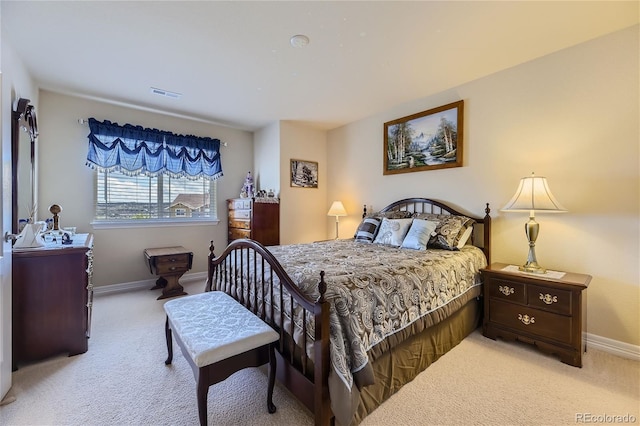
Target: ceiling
233, 63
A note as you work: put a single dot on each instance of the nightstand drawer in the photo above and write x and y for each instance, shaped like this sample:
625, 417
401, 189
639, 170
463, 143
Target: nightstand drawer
532, 321
508, 290
550, 299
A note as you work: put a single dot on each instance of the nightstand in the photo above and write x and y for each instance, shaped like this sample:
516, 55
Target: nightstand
546, 310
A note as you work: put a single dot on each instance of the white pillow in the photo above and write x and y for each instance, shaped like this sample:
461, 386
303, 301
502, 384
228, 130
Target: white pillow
419, 234
392, 231
464, 237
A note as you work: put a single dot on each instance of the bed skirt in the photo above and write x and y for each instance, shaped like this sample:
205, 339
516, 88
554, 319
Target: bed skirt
404, 362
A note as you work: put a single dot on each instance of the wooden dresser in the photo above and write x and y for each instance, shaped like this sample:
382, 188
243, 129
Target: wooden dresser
549, 312
52, 297
255, 218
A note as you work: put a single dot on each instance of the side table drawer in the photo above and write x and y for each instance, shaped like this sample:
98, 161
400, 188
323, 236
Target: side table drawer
531, 321
550, 299
508, 290
172, 263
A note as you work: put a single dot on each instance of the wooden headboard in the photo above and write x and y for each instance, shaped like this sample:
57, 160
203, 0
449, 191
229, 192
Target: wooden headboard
481, 236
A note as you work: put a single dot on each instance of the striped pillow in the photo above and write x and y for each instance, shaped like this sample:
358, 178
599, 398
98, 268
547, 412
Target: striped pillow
367, 230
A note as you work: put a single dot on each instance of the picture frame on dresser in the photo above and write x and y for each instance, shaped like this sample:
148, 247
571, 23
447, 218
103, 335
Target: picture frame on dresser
428, 140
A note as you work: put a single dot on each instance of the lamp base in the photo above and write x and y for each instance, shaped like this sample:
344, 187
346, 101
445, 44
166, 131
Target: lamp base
533, 268
531, 228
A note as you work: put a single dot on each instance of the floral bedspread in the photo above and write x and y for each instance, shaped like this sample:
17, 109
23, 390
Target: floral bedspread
376, 290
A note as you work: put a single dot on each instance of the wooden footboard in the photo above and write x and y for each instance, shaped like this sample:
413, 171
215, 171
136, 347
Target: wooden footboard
248, 272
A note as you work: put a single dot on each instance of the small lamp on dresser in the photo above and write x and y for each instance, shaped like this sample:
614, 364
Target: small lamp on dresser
337, 210
533, 195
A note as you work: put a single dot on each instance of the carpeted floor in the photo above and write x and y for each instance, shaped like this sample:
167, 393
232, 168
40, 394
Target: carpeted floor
122, 380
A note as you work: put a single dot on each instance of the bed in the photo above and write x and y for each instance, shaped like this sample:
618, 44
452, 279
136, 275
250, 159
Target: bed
359, 318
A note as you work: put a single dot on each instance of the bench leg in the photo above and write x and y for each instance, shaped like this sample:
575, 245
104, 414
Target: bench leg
167, 332
272, 379
203, 390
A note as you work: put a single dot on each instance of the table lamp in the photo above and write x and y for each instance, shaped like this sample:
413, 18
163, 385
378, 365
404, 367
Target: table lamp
337, 210
533, 195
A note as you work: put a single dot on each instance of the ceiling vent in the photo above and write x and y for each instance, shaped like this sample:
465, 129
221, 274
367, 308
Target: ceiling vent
165, 93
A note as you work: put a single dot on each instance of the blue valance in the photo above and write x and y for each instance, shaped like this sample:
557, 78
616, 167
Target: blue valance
134, 150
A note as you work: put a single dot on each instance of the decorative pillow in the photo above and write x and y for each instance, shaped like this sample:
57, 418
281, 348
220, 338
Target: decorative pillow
449, 231
393, 214
367, 230
392, 231
419, 234
465, 237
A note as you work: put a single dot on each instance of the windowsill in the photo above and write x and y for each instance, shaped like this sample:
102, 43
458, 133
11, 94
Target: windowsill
157, 223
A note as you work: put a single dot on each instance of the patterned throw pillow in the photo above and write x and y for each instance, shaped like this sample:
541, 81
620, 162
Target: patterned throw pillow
419, 234
449, 231
392, 231
367, 230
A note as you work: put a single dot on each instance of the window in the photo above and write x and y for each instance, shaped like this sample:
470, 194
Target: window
122, 197
150, 175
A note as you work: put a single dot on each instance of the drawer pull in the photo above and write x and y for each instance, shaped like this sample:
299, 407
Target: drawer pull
173, 268
548, 299
526, 319
507, 291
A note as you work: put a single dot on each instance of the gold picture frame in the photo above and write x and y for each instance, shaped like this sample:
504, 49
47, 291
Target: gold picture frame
428, 140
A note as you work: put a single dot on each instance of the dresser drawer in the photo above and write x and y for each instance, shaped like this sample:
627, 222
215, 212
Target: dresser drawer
239, 214
508, 290
242, 224
235, 233
240, 204
550, 299
533, 321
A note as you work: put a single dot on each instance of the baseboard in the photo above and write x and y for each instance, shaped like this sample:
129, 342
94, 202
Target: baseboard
615, 347
145, 284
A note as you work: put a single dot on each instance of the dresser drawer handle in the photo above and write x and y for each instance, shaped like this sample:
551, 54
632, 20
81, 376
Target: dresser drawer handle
548, 299
526, 319
173, 268
507, 291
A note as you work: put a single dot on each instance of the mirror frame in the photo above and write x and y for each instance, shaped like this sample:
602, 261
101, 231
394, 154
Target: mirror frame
24, 112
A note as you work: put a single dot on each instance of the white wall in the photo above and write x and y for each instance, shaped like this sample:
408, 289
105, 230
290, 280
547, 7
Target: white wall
266, 157
572, 116
67, 181
303, 211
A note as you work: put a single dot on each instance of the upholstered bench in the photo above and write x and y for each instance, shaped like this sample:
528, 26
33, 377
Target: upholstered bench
218, 336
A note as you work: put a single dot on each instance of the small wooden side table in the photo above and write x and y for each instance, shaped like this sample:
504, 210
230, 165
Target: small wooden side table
169, 263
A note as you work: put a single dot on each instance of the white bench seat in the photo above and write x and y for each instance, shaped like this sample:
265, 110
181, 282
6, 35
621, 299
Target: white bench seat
218, 336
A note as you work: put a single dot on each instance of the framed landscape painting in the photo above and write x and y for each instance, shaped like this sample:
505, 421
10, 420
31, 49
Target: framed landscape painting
304, 174
427, 140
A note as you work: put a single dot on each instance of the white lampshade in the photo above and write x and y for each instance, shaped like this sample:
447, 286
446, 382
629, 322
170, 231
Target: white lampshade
337, 209
533, 195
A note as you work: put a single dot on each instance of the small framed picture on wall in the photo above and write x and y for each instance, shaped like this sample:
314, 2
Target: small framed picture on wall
304, 174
